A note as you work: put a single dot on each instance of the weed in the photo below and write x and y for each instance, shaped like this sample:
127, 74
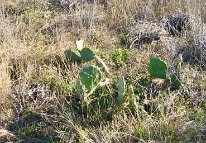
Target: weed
121, 56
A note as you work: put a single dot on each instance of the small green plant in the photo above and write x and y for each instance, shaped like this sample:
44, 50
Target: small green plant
123, 38
121, 56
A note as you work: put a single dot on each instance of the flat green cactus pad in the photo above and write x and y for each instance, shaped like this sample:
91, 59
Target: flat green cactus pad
87, 54
90, 78
121, 90
157, 68
71, 56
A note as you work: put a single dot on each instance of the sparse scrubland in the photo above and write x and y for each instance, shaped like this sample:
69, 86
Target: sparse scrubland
139, 77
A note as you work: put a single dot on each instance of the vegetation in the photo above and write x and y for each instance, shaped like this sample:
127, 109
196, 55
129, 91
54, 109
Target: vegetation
88, 71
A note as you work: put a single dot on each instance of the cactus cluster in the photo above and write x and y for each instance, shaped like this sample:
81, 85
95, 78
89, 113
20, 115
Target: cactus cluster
90, 78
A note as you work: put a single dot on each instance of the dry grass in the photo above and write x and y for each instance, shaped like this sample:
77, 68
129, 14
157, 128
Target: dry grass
38, 102
5, 86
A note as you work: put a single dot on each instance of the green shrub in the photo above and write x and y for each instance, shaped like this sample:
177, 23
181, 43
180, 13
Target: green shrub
121, 56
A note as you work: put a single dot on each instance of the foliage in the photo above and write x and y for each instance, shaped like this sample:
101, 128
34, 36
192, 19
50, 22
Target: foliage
90, 78
124, 39
87, 54
121, 56
175, 82
157, 68
71, 56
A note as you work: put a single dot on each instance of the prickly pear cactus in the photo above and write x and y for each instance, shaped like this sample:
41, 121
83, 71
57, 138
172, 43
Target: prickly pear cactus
90, 78
87, 54
157, 68
175, 82
71, 56
121, 91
